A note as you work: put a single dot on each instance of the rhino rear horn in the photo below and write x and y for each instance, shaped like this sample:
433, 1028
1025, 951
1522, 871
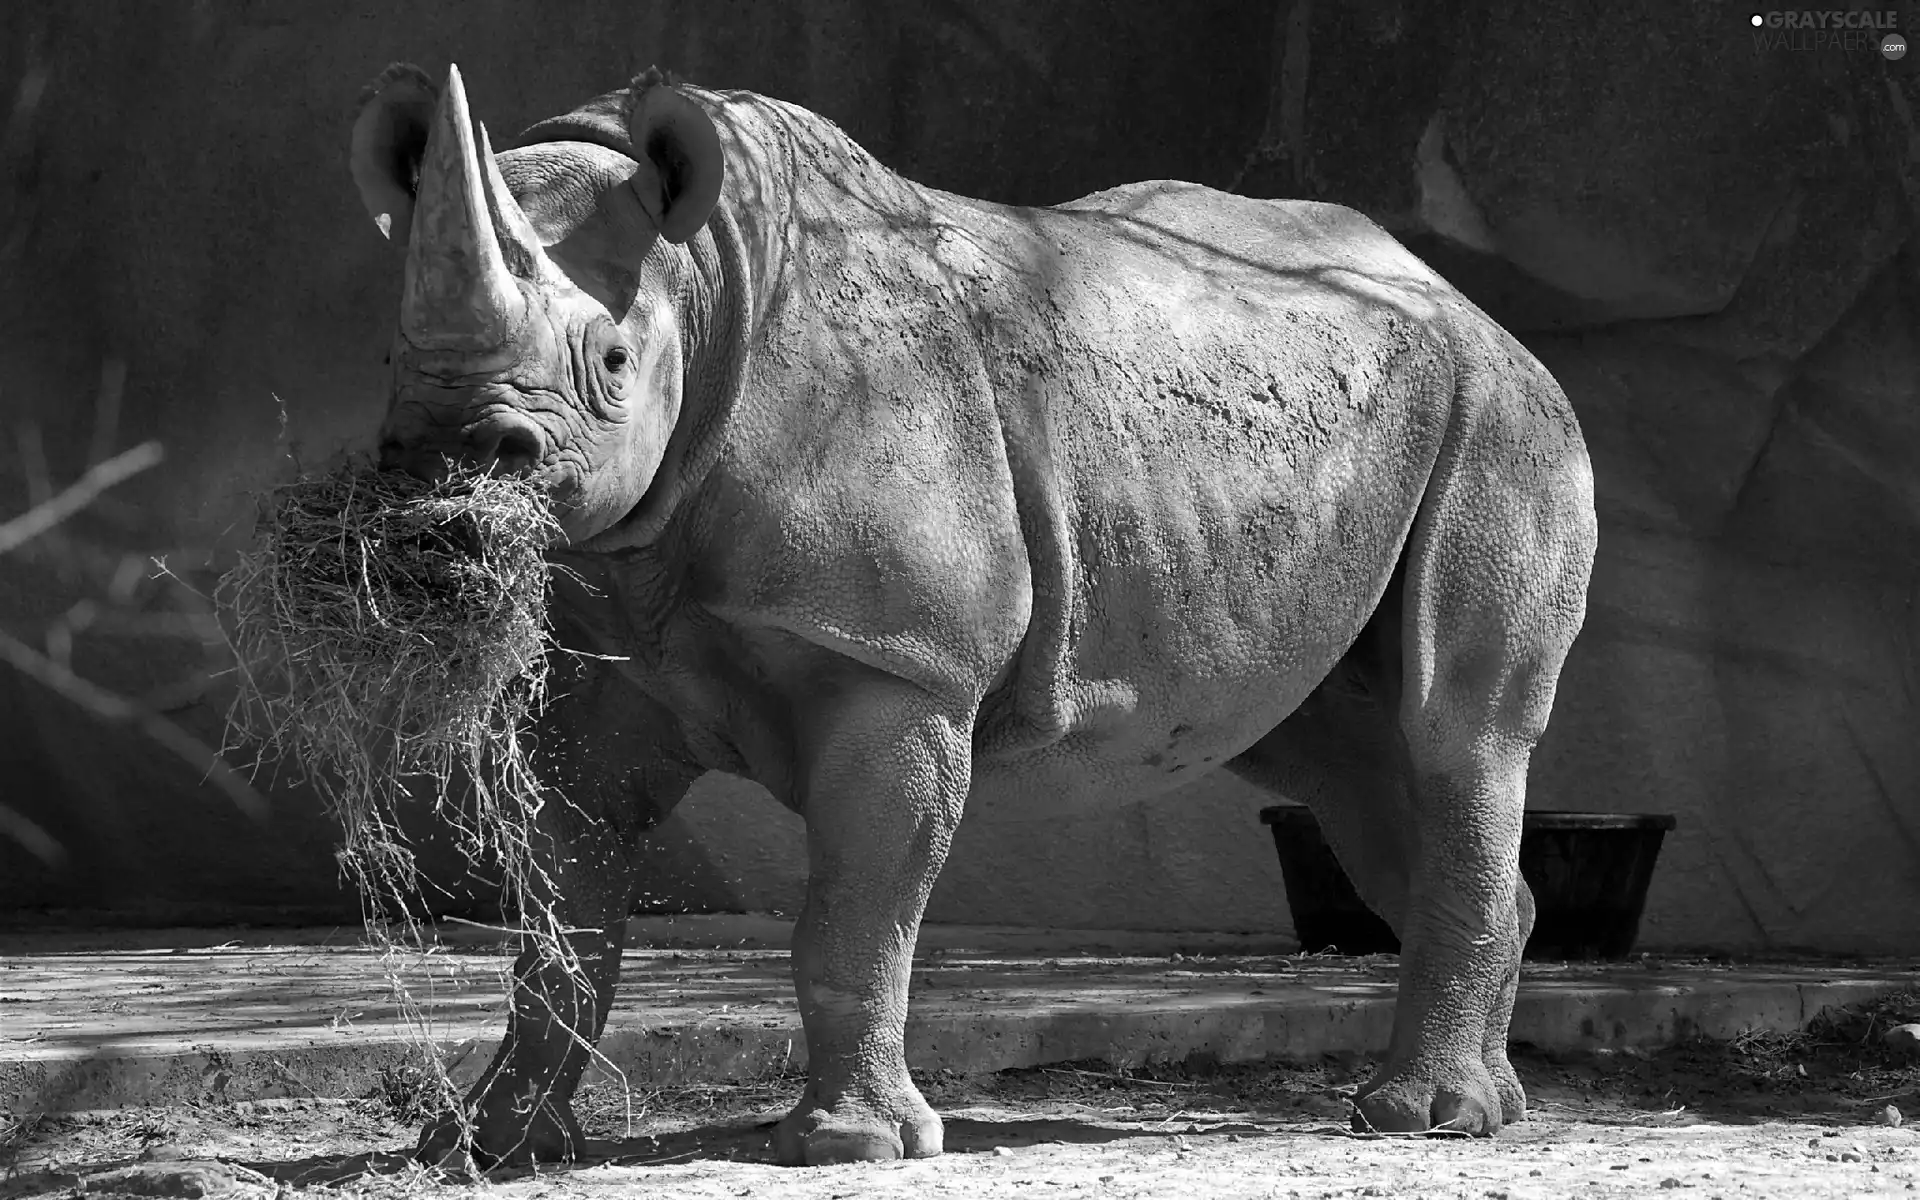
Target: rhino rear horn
518, 241
681, 163
389, 140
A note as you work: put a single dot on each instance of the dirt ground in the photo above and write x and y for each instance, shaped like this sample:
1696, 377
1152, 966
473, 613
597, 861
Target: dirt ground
1799, 1115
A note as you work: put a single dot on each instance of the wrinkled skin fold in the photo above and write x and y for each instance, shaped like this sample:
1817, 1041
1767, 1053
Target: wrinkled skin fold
907, 505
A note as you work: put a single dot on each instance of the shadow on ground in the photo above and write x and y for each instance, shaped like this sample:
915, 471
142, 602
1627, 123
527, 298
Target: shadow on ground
752, 1141
1833, 1074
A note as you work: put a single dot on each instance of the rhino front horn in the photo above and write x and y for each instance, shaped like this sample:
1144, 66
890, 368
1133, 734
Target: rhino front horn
460, 293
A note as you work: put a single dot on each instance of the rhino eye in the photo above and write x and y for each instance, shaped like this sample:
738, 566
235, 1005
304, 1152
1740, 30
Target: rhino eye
615, 359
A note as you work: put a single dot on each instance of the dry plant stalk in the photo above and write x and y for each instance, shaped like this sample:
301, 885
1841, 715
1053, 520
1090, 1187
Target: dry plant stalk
386, 629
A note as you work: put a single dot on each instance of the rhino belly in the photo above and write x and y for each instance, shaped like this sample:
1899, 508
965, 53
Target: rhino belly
1217, 472
1189, 612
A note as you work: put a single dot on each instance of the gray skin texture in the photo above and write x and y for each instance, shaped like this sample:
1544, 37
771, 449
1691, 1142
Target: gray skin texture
904, 504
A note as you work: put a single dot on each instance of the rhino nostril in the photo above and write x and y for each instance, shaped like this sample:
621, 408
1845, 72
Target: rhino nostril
518, 449
505, 445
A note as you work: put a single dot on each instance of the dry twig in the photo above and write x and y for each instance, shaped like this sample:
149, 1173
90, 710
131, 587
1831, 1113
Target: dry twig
43, 517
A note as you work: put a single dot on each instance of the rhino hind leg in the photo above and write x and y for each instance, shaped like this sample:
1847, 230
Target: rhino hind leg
1494, 592
1341, 754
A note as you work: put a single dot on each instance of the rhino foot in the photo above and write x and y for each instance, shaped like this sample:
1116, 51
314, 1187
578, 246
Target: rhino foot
549, 1135
1462, 1099
1507, 1088
813, 1135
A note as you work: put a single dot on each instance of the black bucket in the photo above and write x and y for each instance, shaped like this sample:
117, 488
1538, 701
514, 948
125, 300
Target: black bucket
1327, 912
1589, 873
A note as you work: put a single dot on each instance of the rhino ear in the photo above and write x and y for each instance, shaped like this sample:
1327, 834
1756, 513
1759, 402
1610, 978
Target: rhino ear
389, 140
681, 165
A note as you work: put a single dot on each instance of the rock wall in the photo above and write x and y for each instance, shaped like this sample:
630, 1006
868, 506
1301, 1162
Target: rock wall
1707, 241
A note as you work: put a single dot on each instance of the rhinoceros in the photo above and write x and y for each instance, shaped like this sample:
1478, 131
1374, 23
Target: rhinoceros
904, 504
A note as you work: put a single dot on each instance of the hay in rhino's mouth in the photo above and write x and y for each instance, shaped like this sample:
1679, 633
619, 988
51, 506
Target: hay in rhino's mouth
387, 629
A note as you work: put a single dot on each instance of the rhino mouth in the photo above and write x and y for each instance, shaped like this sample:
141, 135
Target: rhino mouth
571, 502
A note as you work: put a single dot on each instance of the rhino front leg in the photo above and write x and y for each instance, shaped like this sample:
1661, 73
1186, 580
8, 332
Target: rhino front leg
521, 1109
885, 779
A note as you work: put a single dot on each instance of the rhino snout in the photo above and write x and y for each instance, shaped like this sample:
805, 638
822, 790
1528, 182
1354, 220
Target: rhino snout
501, 444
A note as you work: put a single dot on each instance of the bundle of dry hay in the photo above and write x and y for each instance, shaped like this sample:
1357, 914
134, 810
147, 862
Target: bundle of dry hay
388, 629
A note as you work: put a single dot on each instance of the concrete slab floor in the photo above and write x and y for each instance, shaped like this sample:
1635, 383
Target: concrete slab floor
93, 1020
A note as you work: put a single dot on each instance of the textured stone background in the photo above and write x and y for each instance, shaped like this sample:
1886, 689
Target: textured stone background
1709, 244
